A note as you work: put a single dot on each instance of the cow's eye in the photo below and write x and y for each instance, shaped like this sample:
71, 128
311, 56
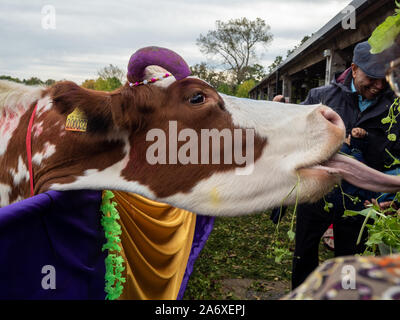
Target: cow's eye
198, 98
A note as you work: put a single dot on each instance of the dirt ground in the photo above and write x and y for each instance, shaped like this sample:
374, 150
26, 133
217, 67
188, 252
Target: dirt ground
250, 289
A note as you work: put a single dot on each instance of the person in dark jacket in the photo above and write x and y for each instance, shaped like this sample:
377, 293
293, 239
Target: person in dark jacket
362, 98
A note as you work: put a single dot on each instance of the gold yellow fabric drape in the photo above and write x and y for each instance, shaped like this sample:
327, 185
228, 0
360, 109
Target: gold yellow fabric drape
156, 242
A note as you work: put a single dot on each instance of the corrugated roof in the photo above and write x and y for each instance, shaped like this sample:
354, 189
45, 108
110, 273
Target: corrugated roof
320, 34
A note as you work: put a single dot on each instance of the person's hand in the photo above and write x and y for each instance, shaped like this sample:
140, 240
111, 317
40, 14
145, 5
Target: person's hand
383, 205
358, 133
348, 140
279, 98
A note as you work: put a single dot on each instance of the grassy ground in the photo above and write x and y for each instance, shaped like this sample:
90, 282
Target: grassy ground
242, 248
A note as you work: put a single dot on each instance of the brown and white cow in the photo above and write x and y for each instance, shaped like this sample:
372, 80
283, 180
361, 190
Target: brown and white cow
289, 144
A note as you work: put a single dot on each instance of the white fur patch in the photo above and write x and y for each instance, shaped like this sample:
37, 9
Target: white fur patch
14, 94
4, 195
8, 123
109, 178
37, 129
21, 174
15, 99
43, 105
48, 151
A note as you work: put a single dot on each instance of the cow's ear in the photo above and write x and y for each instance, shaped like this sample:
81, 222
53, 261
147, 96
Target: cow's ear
94, 106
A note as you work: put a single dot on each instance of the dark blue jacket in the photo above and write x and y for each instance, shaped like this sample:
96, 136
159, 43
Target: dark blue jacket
339, 97
371, 150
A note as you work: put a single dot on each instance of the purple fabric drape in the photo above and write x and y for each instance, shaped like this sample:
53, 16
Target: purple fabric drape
204, 226
62, 230
57, 229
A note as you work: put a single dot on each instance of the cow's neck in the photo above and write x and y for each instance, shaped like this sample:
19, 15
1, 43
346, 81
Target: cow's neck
14, 175
94, 163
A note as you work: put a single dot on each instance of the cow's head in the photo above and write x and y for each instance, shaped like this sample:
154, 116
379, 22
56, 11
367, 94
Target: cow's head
151, 139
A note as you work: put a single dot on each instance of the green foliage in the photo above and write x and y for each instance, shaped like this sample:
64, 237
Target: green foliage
207, 73
290, 51
108, 84
328, 206
10, 79
385, 228
277, 250
278, 60
244, 247
236, 249
386, 33
111, 72
101, 84
222, 80
391, 119
254, 72
114, 262
110, 78
226, 89
244, 88
89, 84
33, 81
395, 160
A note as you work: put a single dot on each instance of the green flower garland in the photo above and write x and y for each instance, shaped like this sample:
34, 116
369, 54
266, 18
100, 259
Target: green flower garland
114, 261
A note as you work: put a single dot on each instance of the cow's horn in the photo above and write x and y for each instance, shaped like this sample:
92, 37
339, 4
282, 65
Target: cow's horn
162, 57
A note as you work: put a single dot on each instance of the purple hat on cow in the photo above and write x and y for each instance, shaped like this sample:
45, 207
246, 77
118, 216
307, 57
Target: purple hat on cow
158, 56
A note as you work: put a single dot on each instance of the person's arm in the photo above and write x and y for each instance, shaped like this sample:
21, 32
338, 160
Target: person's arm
312, 97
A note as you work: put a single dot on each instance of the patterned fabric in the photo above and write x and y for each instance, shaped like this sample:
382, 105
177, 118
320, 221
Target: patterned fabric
352, 278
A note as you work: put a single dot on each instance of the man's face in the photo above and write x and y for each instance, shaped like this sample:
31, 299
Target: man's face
368, 87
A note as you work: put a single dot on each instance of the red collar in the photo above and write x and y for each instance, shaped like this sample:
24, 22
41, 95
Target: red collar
29, 148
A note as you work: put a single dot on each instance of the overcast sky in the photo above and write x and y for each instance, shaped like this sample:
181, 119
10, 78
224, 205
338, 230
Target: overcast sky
89, 35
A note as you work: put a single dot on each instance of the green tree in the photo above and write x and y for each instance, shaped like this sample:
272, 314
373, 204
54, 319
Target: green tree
113, 83
49, 82
33, 81
244, 88
112, 72
256, 72
101, 84
277, 62
207, 73
235, 42
289, 52
89, 84
10, 79
226, 89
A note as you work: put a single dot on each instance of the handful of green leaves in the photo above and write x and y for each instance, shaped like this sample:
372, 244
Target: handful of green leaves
385, 34
385, 228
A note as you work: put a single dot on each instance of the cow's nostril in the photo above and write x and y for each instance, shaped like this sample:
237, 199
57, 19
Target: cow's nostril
332, 117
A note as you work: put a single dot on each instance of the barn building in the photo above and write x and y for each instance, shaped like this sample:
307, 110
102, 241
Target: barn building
327, 52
